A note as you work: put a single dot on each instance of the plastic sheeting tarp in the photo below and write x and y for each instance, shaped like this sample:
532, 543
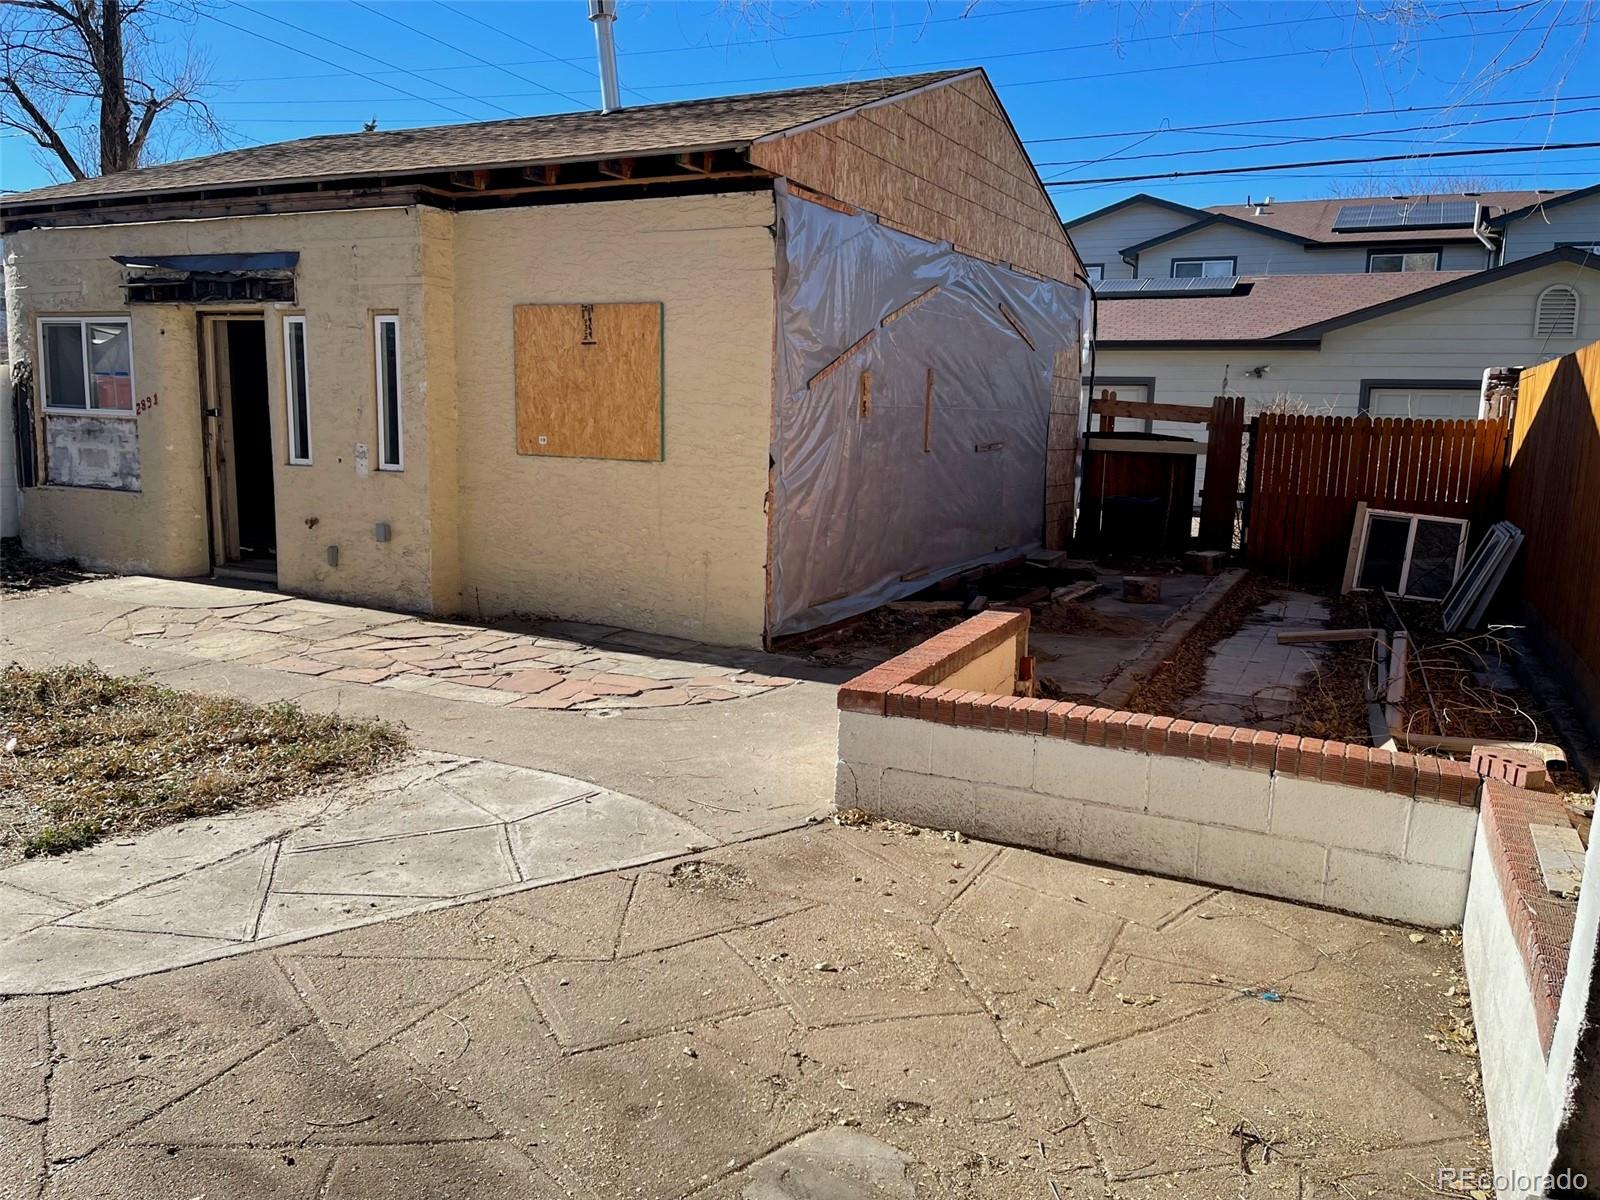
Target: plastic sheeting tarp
862, 513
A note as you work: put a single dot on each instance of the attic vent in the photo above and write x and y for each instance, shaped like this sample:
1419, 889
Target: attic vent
1556, 314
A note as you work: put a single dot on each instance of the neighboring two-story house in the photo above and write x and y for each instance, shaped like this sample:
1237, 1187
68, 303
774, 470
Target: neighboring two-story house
1389, 305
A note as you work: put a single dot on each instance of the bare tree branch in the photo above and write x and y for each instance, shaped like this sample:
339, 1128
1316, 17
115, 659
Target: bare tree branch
97, 72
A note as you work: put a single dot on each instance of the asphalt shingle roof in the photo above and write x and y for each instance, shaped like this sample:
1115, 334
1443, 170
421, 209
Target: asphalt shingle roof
1314, 219
1265, 306
647, 129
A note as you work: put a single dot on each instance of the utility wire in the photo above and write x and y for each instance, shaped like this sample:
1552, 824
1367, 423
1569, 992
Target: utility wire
469, 54
284, 21
1324, 162
211, 16
575, 63
1371, 112
1376, 135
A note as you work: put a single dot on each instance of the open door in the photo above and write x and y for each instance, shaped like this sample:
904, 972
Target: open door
238, 451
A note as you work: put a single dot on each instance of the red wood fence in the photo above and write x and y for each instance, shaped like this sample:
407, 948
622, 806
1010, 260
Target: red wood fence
1554, 497
1307, 473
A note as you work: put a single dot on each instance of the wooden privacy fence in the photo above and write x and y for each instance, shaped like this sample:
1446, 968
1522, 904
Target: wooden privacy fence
1223, 419
1307, 473
1554, 498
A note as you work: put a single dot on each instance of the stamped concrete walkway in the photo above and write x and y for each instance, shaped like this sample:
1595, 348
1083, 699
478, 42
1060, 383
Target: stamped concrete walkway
840, 1013
433, 832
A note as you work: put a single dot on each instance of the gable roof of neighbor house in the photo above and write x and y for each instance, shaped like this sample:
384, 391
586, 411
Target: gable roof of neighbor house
1310, 222
1545, 200
719, 122
1293, 309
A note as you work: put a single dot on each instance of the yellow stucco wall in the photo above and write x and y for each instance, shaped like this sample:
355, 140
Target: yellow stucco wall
351, 263
994, 671
677, 546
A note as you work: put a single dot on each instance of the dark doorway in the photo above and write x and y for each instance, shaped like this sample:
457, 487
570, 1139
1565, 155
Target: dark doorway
239, 458
252, 441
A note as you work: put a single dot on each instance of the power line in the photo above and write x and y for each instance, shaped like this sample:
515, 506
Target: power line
374, 58
1324, 162
211, 16
576, 63
1377, 135
477, 58
1373, 112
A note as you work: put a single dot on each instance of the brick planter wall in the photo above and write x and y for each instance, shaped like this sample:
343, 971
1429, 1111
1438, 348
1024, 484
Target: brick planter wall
1369, 831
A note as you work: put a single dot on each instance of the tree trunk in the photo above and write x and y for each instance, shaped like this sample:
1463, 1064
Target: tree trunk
116, 151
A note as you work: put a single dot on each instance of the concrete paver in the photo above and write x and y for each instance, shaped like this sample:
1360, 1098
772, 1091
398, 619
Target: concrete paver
833, 1016
1252, 680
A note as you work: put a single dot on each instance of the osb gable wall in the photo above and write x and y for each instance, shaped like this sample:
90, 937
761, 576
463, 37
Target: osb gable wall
942, 163
350, 265
676, 546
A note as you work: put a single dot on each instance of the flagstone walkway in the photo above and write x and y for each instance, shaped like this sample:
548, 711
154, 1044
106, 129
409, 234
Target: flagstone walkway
554, 665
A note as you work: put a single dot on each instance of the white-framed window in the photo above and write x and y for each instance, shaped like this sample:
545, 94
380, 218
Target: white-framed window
1555, 314
86, 365
1410, 554
1094, 271
296, 390
386, 347
1204, 268
1386, 261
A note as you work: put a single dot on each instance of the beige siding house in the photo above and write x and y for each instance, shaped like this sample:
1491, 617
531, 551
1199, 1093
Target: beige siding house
1412, 344
530, 366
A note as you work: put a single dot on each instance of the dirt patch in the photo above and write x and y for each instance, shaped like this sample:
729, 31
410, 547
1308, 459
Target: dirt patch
1332, 701
1181, 675
85, 755
20, 572
1077, 618
698, 875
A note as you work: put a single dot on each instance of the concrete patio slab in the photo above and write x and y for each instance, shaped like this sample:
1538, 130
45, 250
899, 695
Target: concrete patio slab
538, 1044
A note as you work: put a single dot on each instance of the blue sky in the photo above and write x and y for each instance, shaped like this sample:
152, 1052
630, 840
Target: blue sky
1095, 88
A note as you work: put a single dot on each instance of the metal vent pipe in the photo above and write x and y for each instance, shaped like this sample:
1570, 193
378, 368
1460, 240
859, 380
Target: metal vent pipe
604, 15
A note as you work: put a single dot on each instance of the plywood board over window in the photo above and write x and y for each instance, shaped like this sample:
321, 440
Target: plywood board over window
589, 380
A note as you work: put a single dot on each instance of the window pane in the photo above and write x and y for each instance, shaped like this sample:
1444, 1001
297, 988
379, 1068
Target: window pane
1426, 261
1385, 557
389, 390
1186, 270
1433, 559
1095, 272
1385, 263
63, 366
110, 367
1217, 268
299, 405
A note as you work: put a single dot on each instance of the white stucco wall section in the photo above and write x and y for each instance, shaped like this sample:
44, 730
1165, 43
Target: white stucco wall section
10, 497
1454, 338
1521, 1097
1354, 849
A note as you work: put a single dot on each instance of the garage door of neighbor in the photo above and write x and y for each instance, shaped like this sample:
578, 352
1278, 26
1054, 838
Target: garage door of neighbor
1428, 404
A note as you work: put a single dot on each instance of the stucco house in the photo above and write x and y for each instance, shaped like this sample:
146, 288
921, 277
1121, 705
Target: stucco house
723, 369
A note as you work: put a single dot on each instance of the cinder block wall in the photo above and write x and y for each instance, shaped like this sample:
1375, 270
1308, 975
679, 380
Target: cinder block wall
1379, 833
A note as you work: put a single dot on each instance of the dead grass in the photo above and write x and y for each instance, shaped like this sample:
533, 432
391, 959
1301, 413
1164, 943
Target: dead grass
1331, 702
85, 755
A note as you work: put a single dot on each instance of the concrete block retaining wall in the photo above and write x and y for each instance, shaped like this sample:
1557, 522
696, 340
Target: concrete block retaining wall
1368, 831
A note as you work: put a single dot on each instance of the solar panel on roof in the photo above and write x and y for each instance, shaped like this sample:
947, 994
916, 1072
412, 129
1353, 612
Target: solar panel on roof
1406, 214
1149, 288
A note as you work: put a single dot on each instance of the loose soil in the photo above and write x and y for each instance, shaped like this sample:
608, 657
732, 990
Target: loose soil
20, 572
85, 755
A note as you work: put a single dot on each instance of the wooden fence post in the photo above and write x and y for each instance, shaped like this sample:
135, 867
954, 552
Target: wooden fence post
1219, 501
